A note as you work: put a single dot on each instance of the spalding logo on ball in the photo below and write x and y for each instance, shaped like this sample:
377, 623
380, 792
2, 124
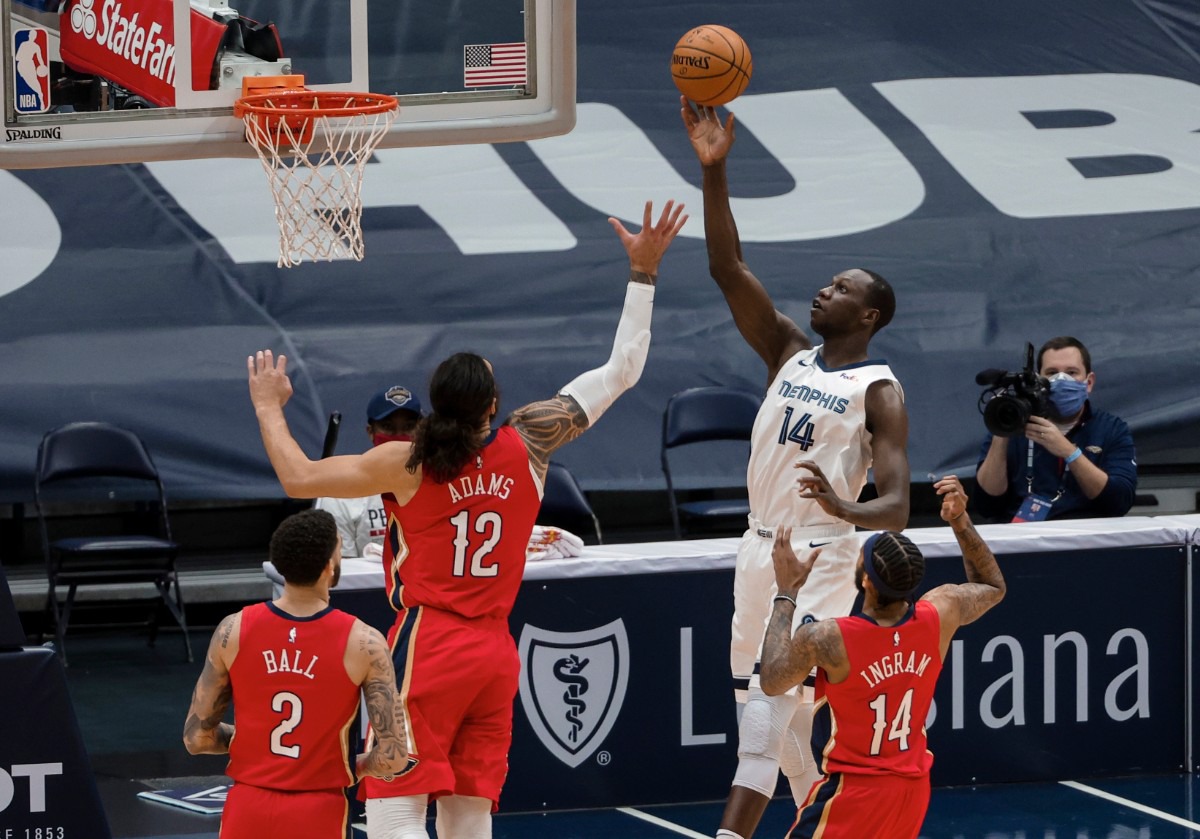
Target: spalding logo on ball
711, 65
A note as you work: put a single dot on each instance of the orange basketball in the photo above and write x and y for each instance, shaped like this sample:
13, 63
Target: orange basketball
711, 65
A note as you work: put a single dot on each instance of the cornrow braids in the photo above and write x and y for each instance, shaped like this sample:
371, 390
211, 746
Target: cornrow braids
899, 564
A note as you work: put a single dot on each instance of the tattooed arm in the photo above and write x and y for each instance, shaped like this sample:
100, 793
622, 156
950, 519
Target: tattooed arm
964, 603
204, 732
369, 663
549, 424
787, 659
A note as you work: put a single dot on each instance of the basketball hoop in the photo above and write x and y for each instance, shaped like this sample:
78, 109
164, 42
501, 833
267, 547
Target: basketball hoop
314, 146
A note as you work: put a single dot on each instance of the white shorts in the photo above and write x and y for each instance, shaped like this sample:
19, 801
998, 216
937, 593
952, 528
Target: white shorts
828, 593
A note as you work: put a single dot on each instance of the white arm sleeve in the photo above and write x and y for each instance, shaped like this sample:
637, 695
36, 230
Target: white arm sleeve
596, 389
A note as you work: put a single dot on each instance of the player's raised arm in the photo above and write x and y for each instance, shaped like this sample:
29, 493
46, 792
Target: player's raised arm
787, 659
377, 471
964, 603
204, 732
770, 333
549, 424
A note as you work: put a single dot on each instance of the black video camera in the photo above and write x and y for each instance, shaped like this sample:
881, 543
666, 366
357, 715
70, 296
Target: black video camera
1012, 398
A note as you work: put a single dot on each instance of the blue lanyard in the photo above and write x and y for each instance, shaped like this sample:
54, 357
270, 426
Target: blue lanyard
1062, 483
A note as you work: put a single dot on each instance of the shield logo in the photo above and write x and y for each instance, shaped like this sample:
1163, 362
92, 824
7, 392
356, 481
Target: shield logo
573, 685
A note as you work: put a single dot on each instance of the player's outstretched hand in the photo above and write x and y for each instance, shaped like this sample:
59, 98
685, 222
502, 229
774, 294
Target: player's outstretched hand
817, 487
790, 571
954, 497
270, 386
711, 140
647, 246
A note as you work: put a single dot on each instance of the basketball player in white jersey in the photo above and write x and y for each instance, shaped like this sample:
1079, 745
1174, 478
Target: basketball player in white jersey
830, 414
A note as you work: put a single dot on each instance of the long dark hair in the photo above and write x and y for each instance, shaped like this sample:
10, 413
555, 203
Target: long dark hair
460, 393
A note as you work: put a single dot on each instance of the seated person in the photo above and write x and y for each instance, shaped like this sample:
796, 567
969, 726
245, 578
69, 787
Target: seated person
392, 414
1079, 463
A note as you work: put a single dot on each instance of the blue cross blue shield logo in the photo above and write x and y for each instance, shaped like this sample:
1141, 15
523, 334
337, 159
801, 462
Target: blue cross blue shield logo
573, 685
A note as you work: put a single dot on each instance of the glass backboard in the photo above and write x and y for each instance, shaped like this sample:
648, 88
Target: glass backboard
105, 81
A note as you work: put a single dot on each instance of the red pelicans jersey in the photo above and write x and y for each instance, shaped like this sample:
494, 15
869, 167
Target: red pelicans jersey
460, 546
294, 704
873, 723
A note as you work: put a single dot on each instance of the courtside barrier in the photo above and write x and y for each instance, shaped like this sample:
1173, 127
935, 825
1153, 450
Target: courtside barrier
625, 699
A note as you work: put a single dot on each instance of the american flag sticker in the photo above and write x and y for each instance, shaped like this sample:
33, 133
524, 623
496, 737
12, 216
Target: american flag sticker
489, 65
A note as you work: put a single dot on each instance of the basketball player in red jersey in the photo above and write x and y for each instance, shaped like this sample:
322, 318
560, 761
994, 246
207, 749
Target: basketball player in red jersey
294, 668
876, 671
461, 500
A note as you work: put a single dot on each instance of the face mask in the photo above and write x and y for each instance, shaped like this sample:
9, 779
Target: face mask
380, 439
1067, 395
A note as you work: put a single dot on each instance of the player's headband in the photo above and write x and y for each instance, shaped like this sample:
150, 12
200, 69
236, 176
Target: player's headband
869, 566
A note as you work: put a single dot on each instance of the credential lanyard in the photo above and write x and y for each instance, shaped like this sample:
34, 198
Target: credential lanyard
1062, 481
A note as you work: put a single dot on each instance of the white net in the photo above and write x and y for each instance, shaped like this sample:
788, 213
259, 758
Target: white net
314, 149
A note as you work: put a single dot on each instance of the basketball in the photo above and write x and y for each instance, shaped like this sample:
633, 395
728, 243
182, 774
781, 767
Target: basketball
711, 65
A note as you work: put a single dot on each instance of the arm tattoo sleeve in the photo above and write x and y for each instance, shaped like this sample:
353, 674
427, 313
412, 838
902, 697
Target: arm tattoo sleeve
547, 426
985, 584
787, 659
204, 730
385, 712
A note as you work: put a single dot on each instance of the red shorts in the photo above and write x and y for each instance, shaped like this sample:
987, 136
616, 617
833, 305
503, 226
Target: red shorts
845, 806
458, 678
255, 812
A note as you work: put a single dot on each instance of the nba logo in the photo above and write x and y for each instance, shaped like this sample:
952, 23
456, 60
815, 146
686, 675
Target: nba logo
31, 61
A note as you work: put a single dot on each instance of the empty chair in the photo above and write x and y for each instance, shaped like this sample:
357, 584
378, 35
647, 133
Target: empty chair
706, 415
565, 505
97, 463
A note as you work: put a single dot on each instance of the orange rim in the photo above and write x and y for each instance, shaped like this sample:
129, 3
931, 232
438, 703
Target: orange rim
314, 103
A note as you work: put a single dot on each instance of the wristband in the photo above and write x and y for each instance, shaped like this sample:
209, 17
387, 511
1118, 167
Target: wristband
786, 597
1074, 456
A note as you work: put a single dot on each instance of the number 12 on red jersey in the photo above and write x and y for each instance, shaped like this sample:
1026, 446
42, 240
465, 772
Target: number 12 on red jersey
488, 525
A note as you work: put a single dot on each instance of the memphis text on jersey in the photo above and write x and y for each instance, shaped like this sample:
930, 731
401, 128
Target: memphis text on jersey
804, 393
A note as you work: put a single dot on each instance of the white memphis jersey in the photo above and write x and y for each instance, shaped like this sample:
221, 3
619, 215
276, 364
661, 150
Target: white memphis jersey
811, 413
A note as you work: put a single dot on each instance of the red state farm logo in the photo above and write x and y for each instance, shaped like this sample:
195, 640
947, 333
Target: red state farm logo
83, 18
127, 35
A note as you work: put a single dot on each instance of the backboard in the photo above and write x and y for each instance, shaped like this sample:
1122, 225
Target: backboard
89, 82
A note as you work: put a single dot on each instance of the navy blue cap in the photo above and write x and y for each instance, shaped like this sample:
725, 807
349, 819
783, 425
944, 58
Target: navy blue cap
387, 402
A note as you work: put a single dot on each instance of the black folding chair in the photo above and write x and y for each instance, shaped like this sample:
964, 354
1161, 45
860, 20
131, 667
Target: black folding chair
565, 505
705, 415
101, 465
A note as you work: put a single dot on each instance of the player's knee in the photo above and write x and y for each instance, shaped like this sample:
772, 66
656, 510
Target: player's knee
794, 759
760, 738
464, 817
402, 817
795, 754
758, 730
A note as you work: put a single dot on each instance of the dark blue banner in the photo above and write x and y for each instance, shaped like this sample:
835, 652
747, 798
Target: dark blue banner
1017, 170
46, 784
626, 698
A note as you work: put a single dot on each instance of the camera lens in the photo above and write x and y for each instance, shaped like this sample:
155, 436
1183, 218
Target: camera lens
1006, 415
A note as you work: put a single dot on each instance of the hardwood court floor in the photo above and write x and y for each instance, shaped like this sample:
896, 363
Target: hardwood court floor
1159, 807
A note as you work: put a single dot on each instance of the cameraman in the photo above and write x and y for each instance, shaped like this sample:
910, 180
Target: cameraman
1078, 464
